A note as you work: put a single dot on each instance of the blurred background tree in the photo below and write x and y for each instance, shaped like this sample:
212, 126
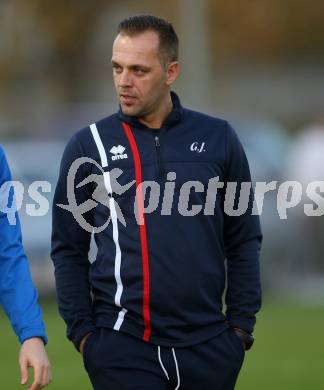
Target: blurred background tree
248, 56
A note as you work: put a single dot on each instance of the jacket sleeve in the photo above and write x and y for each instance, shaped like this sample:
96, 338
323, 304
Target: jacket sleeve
18, 296
242, 240
70, 247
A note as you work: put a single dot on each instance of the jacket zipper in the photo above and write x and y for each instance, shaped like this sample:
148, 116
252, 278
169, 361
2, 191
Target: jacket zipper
158, 156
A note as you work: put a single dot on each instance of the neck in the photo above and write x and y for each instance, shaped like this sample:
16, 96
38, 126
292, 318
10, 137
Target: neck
155, 119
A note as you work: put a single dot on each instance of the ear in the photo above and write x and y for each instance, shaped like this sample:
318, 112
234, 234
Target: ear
173, 70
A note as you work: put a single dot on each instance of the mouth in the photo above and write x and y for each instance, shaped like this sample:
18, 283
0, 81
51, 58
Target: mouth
127, 99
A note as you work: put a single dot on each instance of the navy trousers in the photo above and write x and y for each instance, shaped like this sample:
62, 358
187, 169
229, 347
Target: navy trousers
118, 361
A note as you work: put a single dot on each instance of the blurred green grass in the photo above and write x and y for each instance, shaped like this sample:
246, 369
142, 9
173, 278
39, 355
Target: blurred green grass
288, 353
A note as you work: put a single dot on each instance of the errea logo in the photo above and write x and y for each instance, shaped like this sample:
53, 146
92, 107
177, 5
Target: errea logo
118, 152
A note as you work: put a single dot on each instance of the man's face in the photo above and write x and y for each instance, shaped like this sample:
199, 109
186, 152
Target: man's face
140, 79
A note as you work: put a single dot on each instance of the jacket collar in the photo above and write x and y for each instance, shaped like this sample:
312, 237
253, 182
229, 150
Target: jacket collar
173, 118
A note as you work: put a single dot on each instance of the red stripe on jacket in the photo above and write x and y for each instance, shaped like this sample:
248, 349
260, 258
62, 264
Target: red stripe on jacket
143, 235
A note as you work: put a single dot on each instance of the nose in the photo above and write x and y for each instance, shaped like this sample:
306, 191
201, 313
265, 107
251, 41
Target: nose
125, 79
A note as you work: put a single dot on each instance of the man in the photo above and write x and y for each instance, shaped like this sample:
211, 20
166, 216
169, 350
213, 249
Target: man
18, 296
147, 313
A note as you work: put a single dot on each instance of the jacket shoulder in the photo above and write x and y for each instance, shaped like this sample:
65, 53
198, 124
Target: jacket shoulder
2, 153
82, 143
206, 119
3, 159
105, 124
4, 168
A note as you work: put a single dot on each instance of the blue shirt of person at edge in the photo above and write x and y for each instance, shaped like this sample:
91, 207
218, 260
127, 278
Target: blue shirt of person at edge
18, 295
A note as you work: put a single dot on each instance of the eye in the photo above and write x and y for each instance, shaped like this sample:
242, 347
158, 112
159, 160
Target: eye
139, 71
117, 68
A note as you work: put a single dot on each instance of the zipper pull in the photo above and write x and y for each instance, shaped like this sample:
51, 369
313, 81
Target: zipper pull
157, 141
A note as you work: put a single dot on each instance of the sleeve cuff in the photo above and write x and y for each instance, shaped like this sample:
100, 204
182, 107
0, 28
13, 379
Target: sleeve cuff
78, 336
30, 333
245, 324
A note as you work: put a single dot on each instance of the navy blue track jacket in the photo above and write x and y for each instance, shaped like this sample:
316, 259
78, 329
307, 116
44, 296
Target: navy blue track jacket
159, 275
